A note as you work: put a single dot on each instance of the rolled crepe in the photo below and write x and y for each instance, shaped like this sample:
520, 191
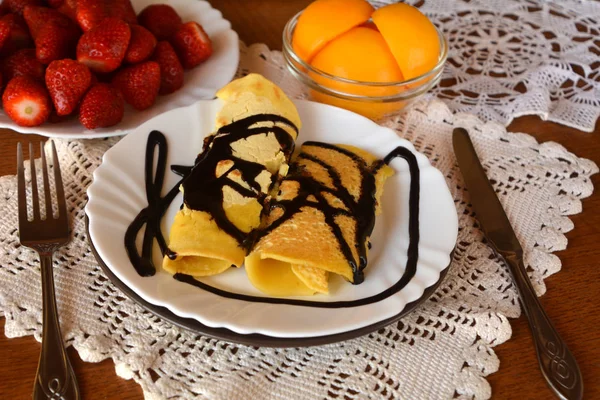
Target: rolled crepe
223, 194
319, 222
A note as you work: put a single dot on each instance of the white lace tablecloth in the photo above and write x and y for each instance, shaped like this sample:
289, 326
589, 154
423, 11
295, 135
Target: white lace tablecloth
510, 58
442, 350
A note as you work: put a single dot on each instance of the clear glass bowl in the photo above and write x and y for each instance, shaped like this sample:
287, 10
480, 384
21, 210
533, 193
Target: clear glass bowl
374, 100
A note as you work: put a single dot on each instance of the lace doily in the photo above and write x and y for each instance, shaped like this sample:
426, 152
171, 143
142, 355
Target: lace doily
510, 58
442, 350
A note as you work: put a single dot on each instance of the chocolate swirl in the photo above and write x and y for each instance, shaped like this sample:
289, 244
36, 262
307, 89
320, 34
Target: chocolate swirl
363, 207
361, 210
204, 192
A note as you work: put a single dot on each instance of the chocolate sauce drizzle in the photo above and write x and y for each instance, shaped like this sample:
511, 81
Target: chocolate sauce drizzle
204, 192
204, 195
151, 215
362, 210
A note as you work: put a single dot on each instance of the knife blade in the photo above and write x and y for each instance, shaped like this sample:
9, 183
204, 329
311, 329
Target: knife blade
491, 215
557, 363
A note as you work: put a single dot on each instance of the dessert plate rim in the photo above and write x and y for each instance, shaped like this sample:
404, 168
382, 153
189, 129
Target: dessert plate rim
257, 339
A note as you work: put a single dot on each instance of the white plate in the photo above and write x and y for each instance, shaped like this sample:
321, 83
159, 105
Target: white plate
118, 194
201, 82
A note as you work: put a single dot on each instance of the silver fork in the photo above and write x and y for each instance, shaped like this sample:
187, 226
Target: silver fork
55, 378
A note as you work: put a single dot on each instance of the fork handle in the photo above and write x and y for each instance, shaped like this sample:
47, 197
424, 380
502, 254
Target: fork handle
557, 363
55, 378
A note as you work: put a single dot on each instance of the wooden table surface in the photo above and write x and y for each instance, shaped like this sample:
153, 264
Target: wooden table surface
571, 300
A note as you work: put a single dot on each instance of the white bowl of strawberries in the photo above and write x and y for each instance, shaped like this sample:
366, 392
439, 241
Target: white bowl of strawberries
98, 68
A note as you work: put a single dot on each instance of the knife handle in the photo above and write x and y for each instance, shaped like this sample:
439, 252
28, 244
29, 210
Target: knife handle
556, 361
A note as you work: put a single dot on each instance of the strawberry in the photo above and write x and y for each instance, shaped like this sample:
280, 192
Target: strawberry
69, 8
17, 6
66, 7
4, 32
19, 37
23, 63
126, 11
139, 84
26, 101
171, 71
102, 106
103, 48
37, 17
67, 81
56, 40
191, 44
90, 13
1, 80
141, 45
4, 9
160, 19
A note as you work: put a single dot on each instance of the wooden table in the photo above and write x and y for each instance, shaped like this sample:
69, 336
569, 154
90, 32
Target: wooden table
571, 301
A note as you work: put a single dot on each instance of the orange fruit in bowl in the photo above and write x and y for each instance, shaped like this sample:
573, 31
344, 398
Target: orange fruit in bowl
411, 37
371, 25
348, 39
360, 54
324, 20
345, 57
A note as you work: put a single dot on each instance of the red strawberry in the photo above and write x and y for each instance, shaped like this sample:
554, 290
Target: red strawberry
191, 44
160, 19
139, 84
126, 11
19, 37
67, 81
4, 32
4, 9
56, 40
1, 80
23, 63
69, 8
171, 71
17, 6
26, 101
103, 48
91, 12
66, 7
141, 45
102, 106
37, 17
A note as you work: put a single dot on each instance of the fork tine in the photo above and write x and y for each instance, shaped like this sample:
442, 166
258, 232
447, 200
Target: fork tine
35, 202
21, 191
47, 197
60, 192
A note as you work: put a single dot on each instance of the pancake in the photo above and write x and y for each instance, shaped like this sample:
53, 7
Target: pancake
224, 192
319, 222
252, 95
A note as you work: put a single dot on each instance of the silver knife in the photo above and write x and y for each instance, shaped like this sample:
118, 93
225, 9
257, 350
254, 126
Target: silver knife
556, 361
